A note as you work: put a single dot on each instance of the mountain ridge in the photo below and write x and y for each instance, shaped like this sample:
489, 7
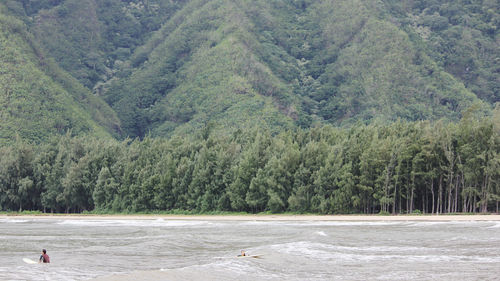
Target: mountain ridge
38, 99
172, 67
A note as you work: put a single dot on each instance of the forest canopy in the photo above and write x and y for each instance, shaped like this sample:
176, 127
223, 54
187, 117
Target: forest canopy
331, 106
168, 67
404, 167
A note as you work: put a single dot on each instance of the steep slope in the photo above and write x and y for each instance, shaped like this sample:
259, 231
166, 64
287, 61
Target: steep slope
172, 67
37, 99
87, 37
200, 67
311, 61
355, 64
461, 35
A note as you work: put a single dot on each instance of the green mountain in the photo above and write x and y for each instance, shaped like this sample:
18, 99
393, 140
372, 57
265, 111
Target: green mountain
216, 93
172, 67
37, 98
462, 36
332, 62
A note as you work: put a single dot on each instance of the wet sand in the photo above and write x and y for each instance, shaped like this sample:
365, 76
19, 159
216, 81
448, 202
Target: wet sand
492, 217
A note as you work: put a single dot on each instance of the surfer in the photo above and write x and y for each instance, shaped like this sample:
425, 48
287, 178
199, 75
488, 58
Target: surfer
44, 257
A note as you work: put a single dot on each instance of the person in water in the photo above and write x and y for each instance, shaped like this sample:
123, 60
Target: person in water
243, 254
44, 257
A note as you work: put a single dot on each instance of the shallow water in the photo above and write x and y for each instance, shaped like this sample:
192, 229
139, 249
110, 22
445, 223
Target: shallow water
206, 250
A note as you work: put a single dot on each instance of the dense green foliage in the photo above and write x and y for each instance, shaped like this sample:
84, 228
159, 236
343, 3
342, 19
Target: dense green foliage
37, 99
170, 67
88, 37
460, 35
320, 61
249, 94
398, 168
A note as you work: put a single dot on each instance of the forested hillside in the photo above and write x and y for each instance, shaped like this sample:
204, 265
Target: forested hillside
170, 67
318, 62
325, 106
462, 36
37, 98
405, 167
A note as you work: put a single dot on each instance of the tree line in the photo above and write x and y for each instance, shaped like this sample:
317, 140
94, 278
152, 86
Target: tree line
403, 167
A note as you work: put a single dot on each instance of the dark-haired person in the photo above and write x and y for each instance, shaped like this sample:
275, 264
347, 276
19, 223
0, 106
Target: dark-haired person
44, 257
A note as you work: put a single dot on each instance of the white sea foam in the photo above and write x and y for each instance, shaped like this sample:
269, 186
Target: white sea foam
357, 223
325, 252
447, 223
13, 221
495, 225
305, 245
135, 223
325, 223
200, 250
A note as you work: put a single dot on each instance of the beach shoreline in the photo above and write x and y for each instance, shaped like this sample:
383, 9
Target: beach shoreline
266, 217
147, 231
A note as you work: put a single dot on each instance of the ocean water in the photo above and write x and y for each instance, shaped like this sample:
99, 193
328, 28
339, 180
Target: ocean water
206, 250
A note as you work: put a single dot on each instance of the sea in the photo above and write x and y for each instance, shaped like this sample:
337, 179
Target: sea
161, 249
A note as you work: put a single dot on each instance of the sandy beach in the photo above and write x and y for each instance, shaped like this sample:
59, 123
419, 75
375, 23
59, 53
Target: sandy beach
265, 217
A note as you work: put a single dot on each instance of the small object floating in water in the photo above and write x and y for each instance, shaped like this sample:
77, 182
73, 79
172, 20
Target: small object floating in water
250, 256
29, 261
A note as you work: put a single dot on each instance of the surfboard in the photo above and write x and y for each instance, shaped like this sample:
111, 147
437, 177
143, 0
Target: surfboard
29, 261
250, 256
